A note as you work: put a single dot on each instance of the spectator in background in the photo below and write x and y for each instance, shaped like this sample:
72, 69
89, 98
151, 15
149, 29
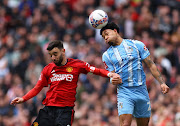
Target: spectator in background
146, 16
3, 62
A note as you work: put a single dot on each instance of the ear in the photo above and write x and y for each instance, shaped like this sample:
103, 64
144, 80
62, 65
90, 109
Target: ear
63, 50
115, 30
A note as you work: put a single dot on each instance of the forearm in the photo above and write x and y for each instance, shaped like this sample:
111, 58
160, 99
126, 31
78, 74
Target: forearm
33, 92
154, 70
156, 73
115, 78
101, 72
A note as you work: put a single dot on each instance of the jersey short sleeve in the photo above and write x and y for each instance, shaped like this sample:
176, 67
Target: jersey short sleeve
107, 63
143, 50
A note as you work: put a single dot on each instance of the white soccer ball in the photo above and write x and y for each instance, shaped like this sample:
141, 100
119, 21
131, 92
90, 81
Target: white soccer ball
98, 19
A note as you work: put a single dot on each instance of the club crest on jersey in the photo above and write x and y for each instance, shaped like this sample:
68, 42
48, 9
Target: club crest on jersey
130, 49
35, 124
69, 69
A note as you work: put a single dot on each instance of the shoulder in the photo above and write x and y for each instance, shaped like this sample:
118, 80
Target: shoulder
75, 61
108, 50
48, 68
137, 43
105, 54
50, 65
133, 41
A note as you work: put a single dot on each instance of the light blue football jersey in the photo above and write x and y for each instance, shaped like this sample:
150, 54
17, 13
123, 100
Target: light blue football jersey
126, 60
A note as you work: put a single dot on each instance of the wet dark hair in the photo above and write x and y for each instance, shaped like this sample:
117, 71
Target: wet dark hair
55, 43
111, 26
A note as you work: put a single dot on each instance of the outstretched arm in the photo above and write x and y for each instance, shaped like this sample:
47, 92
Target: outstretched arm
33, 92
102, 72
156, 73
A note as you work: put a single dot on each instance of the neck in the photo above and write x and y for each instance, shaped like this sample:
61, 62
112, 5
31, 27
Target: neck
64, 61
119, 40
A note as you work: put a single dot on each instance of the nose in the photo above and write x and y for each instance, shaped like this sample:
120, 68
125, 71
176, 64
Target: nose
53, 57
106, 38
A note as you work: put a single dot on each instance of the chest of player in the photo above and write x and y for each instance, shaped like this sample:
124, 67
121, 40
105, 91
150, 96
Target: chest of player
60, 74
124, 55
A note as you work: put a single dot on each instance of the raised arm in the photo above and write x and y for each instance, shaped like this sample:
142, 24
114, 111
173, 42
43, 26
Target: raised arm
156, 73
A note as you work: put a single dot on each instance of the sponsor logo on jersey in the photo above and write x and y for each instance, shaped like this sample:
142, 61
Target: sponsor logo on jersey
69, 69
35, 124
60, 77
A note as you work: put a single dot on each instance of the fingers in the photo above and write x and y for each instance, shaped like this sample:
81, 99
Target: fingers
15, 101
165, 89
114, 75
116, 80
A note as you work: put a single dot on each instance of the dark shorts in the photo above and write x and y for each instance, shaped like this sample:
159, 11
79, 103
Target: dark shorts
54, 116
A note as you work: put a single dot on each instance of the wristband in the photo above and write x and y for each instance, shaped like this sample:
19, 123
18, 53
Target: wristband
108, 74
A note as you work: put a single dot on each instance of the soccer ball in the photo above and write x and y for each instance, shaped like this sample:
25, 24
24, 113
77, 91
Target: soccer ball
98, 19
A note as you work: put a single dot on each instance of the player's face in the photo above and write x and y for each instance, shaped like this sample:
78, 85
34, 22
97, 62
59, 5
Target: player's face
110, 36
57, 55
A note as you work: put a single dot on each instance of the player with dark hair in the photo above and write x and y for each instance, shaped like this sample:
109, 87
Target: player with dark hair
62, 76
125, 57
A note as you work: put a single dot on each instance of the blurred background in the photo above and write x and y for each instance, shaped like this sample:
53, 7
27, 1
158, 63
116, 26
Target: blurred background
26, 27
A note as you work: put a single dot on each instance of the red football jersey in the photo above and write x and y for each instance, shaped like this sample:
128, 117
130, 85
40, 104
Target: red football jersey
62, 81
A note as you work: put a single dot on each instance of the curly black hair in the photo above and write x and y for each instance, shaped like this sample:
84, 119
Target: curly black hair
110, 25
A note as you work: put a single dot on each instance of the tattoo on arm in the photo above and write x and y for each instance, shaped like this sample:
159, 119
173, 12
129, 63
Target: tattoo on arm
161, 81
154, 70
148, 61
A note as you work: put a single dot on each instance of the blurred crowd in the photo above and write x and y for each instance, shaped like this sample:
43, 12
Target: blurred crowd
26, 27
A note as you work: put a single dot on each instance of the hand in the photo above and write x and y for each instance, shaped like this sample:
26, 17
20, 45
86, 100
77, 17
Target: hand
164, 88
115, 78
17, 100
